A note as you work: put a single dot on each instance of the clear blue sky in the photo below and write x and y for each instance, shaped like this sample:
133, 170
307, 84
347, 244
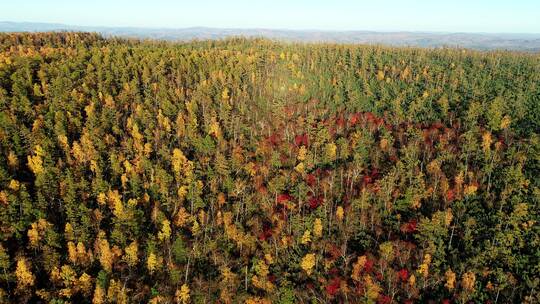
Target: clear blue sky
522, 16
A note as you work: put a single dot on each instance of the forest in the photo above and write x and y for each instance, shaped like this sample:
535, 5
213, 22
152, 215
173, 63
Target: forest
257, 171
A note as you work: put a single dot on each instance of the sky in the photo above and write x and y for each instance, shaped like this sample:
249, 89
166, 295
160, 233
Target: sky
488, 16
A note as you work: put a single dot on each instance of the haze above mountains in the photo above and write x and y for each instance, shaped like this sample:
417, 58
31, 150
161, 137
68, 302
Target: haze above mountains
479, 41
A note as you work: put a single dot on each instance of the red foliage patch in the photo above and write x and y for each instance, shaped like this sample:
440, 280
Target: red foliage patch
403, 275
266, 233
310, 179
384, 299
450, 195
368, 267
333, 287
262, 189
370, 117
333, 251
501, 141
354, 119
283, 198
274, 139
340, 122
366, 180
374, 173
315, 202
370, 177
301, 140
409, 227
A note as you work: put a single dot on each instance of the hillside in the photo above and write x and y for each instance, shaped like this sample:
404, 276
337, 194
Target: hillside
253, 171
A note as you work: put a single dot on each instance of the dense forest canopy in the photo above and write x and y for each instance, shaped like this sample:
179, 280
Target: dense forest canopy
246, 170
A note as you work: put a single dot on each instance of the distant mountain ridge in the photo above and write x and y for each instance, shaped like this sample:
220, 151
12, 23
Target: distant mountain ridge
479, 41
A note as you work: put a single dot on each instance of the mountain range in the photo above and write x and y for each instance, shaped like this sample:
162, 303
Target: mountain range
479, 41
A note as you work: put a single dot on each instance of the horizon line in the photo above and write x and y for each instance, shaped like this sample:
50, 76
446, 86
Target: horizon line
59, 24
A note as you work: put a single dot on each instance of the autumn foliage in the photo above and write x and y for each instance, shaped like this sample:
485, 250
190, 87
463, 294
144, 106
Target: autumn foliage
251, 171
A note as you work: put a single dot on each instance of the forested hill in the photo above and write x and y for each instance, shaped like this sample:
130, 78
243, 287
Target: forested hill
478, 41
251, 171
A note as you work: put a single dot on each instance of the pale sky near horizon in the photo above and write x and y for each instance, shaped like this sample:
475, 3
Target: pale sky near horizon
492, 16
